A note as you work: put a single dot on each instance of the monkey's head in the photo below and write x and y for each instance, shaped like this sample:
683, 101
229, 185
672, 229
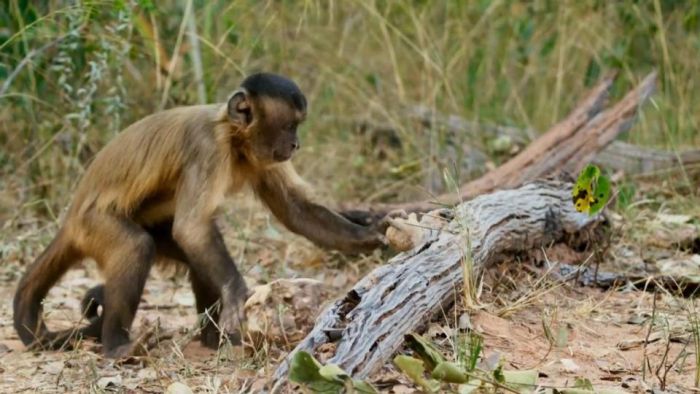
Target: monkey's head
267, 109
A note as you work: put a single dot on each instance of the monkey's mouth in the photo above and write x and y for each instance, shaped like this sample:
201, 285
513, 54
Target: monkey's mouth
281, 156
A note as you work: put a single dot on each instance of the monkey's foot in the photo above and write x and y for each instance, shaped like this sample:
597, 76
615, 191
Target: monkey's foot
210, 337
136, 348
121, 352
213, 339
233, 324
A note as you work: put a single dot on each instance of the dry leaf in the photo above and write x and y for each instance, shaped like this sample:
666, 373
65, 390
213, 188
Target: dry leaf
568, 365
178, 388
147, 374
53, 368
673, 219
109, 381
284, 311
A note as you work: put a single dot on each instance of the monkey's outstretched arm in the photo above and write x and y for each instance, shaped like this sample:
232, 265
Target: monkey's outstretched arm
279, 190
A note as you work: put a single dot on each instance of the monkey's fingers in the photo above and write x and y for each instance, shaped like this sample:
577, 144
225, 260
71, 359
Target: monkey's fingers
233, 323
139, 347
397, 213
361, 217
389, 220
404, 233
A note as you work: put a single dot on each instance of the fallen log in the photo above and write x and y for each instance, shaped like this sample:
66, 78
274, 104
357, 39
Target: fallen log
641, 161
620, 156
566, 147
368, 324
588, 276
456, 125
633, 160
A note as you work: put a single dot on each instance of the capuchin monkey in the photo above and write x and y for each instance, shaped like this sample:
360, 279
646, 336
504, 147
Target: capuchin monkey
152, 194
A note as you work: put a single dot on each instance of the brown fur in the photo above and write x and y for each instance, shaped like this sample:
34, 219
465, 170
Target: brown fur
152, 193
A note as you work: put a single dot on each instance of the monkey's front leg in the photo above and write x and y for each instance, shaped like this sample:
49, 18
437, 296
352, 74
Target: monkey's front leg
214, 268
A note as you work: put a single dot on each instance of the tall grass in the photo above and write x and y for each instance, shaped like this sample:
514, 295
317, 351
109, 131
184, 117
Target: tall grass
74, 73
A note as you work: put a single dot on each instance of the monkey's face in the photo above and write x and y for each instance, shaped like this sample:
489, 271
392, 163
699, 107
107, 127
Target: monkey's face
274, 138
270, 126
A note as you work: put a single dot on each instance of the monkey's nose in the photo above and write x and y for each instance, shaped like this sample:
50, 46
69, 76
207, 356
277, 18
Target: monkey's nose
295, 145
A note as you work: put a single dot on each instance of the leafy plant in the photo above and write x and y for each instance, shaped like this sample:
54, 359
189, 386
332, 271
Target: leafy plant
433, 373
591, 191
327, 379
431, 361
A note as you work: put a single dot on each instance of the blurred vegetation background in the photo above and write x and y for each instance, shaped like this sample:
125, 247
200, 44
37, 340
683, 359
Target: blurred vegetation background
73, 74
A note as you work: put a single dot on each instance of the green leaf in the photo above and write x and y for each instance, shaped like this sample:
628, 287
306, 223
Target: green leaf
414, 369
498, 374
450, 372
588, 174
333, 372
469, 387
583, 383
524, 380
601, 195
304, 369
501, 144
425, 350
363, 387
528, 377
591, 191
583, 188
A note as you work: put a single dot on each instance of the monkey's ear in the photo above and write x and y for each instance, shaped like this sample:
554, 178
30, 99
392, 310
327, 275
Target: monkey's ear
239, 109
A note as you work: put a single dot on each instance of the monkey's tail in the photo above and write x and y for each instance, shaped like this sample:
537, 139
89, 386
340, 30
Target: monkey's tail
48, 268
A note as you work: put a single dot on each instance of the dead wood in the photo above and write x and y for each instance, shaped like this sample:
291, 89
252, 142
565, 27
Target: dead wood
456, 125
566, 147
587, 276
621, 156
637, 160
369, 323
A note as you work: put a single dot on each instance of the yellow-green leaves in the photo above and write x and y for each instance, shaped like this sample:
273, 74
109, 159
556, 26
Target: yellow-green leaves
433, 373
591, 191
425, 350
327, 379
415, 370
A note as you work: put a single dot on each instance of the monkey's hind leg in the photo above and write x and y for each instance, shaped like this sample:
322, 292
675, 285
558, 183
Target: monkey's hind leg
126, 255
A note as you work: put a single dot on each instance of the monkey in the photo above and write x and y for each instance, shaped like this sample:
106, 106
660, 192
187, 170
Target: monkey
152, 194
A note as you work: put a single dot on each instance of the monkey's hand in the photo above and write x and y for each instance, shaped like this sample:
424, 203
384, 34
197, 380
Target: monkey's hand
232, 320
388, 220
407, 232
380, 226
362, 217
